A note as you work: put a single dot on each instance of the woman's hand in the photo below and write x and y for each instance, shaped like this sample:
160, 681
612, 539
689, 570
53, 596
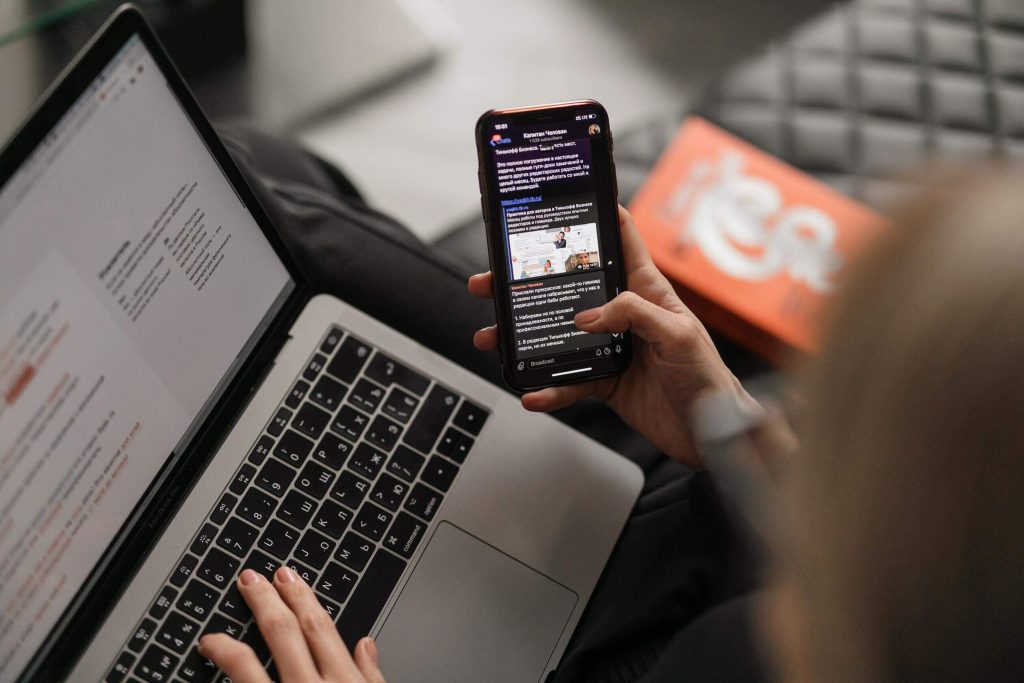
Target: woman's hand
301, 637
674, 359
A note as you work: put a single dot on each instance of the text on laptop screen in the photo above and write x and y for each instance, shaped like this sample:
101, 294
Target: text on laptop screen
132, 278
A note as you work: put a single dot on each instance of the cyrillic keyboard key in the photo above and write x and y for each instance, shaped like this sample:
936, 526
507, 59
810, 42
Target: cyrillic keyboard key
328, 393
314, 549
349, 359
311, 420
256, 507
177, 633
389, 492
262, 564
304, 573
368, 599
197, 600
400, 405
296, 509
237, 537
367, 460
336, 582
314, 480
221, 624
293, 448
349, 423
332, 451
350, 489
275, 477
332, 519
424, 502
278, 540
234, 606
440, 473
383, 433
196, 668
470, 417
218, 568
405, 463
386, 371
372, 521
405, 534
366, 395
354, 551
424, 431
156, 665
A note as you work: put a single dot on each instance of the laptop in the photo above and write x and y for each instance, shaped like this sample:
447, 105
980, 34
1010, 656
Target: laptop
176, 406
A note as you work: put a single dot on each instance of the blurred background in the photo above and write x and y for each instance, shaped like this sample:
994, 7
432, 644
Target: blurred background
389, 90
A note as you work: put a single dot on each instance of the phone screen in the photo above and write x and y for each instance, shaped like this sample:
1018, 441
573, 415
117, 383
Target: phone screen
551, 207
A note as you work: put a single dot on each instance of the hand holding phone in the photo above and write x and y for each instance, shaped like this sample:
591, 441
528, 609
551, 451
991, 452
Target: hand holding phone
674, 362
549, 197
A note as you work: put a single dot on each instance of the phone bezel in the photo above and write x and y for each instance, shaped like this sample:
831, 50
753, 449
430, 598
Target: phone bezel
523, 381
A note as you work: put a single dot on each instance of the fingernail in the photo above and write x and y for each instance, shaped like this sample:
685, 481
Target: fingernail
371, 649
588, 316
285, 575
202, 644
249, 577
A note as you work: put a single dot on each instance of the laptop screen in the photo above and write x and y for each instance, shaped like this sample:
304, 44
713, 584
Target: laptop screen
133, 281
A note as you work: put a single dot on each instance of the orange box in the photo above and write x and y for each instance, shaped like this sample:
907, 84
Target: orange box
754, 246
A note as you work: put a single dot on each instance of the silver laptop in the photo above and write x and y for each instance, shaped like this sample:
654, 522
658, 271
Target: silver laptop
176, 406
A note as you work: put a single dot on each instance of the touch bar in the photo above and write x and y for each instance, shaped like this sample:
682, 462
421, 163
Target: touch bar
569, 372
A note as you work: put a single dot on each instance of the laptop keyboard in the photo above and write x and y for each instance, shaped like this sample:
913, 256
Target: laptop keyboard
342, 486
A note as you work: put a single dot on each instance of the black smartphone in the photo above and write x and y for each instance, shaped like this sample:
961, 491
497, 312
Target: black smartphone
550, 203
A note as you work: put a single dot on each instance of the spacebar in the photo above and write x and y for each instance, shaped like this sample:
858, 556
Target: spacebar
369, 597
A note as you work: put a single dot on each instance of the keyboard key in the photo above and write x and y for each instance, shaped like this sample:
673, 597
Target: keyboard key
278, 540
470, 417
163, 602
354, 551
311, 420
237, 537
295, 396
177, 633
221, 624
331, 341
293, 448
367, 460
196, 668
275, 477
349, 423
405, 463
314, 367
223, 509
203, 539
256, 507
184, 570
218, 568
372, 521
197, 600
328, 393
423, 502
350, 489
387, 371
389, 492
366, 395
262, 564
331, 607
455, 445
314, 549
332, 519
369, 597
349, 360
400, 405
296, 509
261, 450
143, 634
242, 479
279, 422
337, 582
304, 572
234, 606
440, 473
332, 451
383, 433
405, 534
156, 665
122, 667
315, 480
430, 421
254, 639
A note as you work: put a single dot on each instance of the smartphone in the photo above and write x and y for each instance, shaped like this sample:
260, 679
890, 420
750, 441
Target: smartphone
550, 204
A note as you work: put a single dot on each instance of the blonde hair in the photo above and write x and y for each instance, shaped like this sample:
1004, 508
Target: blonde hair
907, 501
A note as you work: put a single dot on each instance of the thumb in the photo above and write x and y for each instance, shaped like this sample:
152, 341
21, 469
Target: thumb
366, 660
631, 312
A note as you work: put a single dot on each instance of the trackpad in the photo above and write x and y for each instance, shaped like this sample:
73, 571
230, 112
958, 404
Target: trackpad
472, 613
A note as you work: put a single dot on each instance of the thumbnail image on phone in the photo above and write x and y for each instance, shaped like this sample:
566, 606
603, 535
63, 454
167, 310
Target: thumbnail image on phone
549, 200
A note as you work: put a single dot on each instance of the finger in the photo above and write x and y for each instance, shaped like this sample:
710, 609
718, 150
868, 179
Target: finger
556, 398
631, 312
634, 252
366, 660
481, 285
329, 653
486, 339
235, 658
279, 627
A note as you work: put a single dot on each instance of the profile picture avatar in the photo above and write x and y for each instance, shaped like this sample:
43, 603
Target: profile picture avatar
594, 129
